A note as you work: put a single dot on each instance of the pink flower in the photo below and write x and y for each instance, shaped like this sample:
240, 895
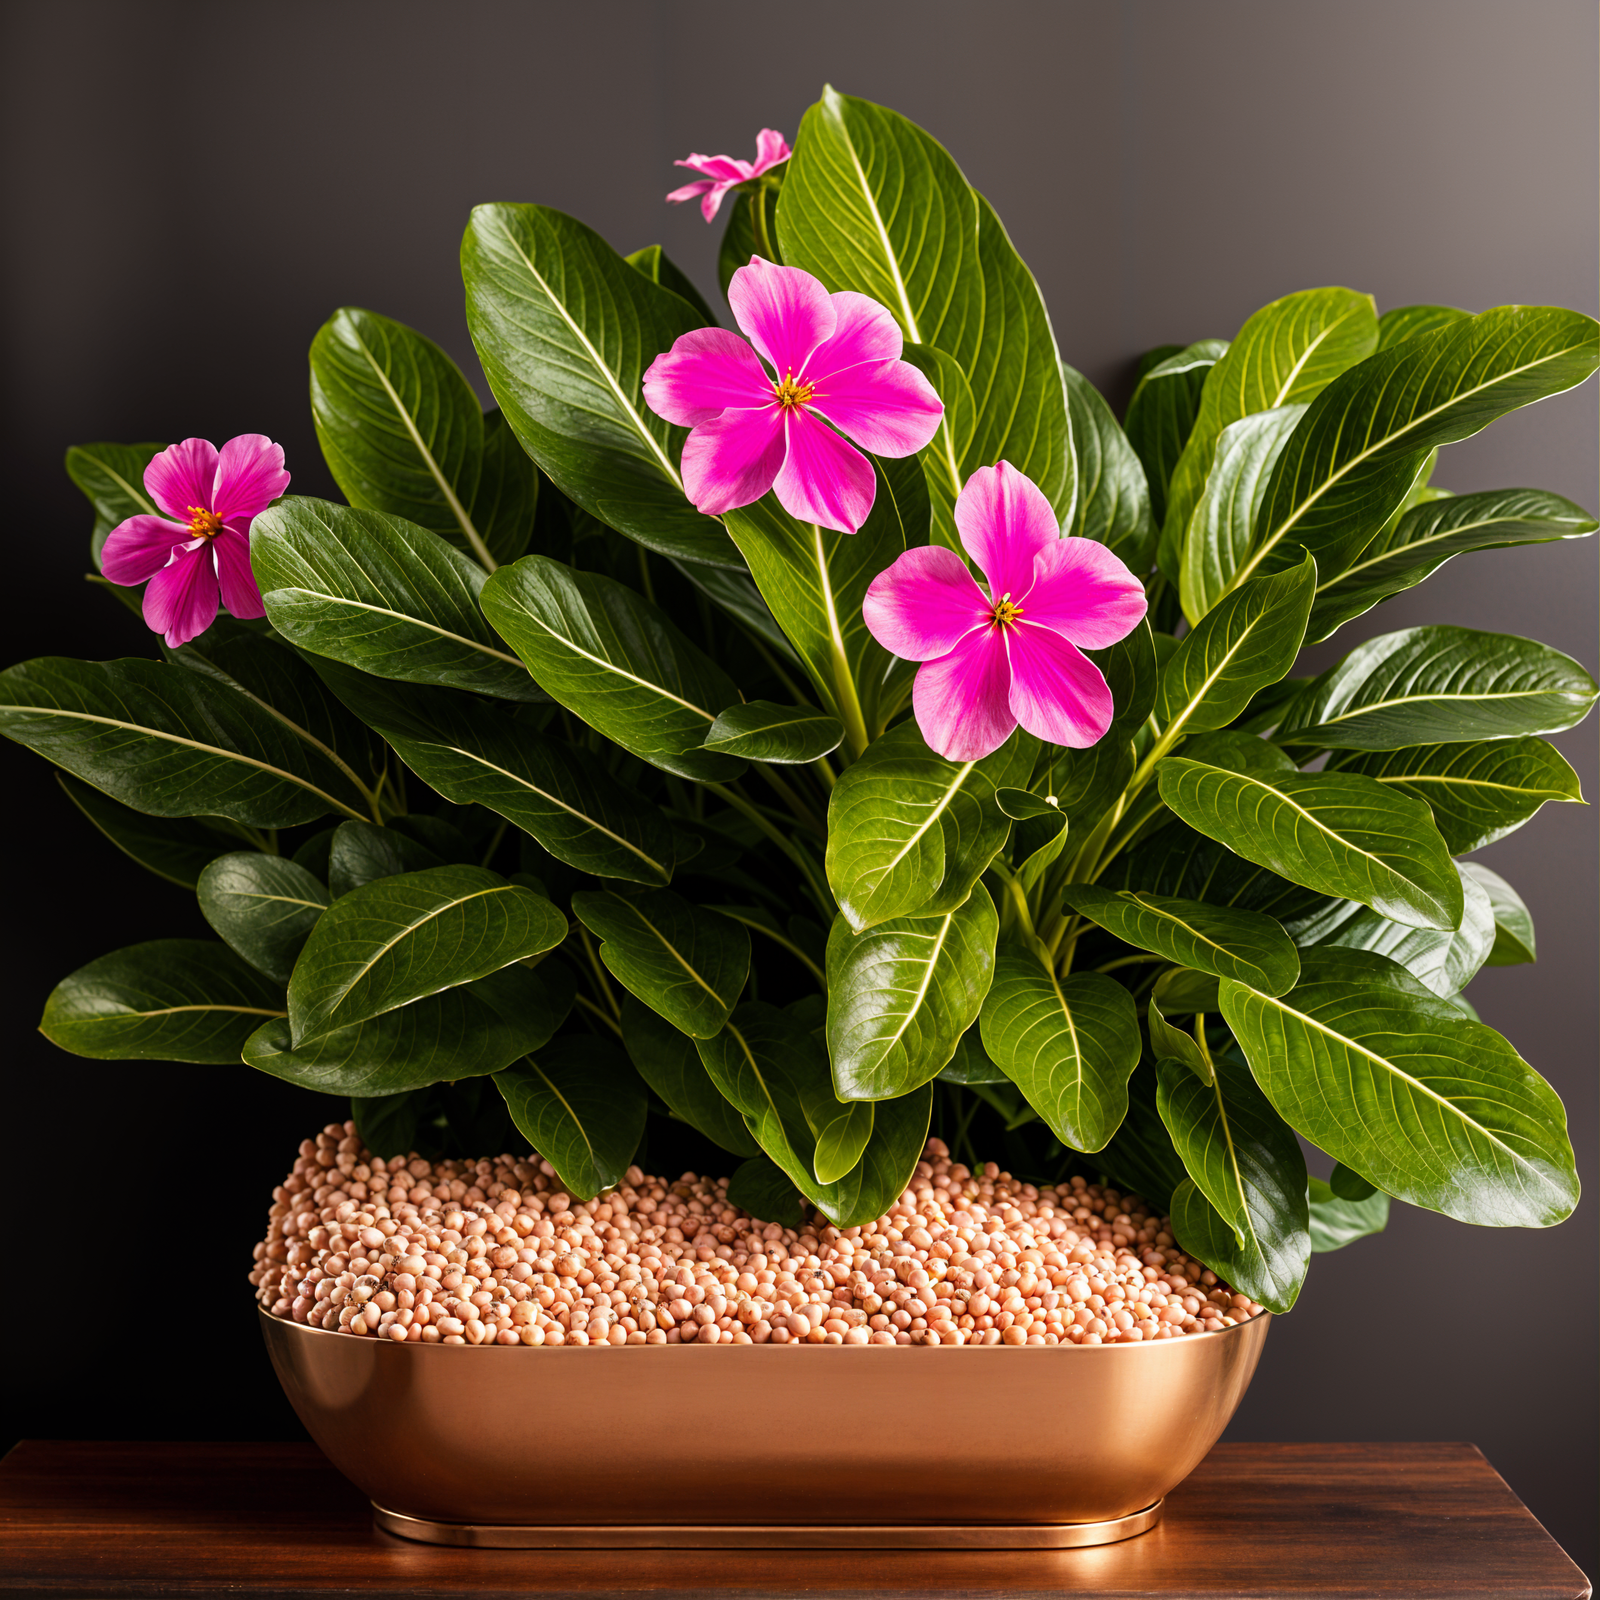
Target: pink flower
211, 496
839, 360
723, 173
1014, 654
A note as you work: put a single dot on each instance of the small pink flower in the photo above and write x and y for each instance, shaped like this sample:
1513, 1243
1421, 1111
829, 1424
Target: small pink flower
212, 496
1012, 655
723, 173
839, 360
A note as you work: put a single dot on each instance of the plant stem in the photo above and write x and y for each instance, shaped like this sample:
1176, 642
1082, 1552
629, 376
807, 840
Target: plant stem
602, 984
1127, 961
795, 802
594, 1010
758, 220
777, 835
644, 575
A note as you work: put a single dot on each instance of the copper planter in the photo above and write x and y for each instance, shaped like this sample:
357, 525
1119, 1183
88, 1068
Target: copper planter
702, 1445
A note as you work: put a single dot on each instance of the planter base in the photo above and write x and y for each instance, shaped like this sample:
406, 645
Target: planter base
931, 1536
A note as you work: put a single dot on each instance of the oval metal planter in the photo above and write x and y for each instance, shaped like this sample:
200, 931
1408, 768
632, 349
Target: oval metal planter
1046, 1446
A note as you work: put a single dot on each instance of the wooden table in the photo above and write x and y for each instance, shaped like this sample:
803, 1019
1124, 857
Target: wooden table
273, 1521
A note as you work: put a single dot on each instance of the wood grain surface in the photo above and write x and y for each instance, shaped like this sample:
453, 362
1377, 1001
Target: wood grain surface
274, 1521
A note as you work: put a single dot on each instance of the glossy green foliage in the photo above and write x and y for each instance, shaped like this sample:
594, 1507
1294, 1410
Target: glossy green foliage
168, 1000
400, 938
263, 907
668, 1061
1513, 924
617, 661
762, 731
565, 328
171, 743
1113, 502
402, 432
1161, 417
1399, 1086
177, 849
684, 962
112, 477
1336, 1222
381, 594
901, 995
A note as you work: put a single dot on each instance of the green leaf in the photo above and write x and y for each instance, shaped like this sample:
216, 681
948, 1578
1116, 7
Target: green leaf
112, 476
558, 792
264, 907
1222, 524
1069, 1044
465, 1032
1140, 1155
1246, 642
1336, 1222
174, 849
814, 580
901, 995
658, 267
739, 238
1359, 448
168, 1000
777, 1074
841, 1142
1334, 832
287, 685
402, 432
1217, 939
1436, 685
361, 853
910, 833
1168, 1043
872, 203
1162, 415
1430, 533
565, 329
1242, 1157
1180, 991
761, 1187
1349, 1185
1400, 323
687, 963
384, 595
668, 1061
582, 1107
1513, 924
970, 1064
1039, 836
617, 661
760, 730
169, 743
1286, 354
1439, 959
1396, 1084
1478, 792
1113, 503
401, 938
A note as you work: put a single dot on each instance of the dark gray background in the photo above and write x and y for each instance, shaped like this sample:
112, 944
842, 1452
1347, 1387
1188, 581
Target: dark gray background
190, 189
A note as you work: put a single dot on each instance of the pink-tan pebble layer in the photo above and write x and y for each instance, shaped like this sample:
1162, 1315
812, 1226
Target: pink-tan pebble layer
496, 1252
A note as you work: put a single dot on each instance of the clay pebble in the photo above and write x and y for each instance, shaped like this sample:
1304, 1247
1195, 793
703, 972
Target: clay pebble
496, 1252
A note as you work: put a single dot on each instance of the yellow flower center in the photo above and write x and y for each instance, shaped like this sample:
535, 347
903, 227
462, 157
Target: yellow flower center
206, 524
1007, 611
792, 394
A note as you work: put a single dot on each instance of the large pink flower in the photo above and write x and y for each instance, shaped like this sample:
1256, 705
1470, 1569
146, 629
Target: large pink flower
837, 357
212, 495
1014, 654
723, 173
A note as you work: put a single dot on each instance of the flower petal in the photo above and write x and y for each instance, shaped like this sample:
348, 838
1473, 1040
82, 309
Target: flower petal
863, 331
771, 148
1056, 691
139, 548
823, 479
1083, 592
692, 191
732, 460
712, 204
1003, 519
240, 592
925, 604
181, 602
250, 476
961, 699
183, 475
725, 169
887, 407
784, 312
703, 374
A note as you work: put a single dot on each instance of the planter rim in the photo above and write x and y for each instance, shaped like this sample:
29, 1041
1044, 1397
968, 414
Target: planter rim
1189, 1339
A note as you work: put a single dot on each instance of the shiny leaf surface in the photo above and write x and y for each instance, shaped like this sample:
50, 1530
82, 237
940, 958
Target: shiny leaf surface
668, 1061
760, 730
263, 907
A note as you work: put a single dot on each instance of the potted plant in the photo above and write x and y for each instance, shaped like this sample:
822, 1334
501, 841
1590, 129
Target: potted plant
838, 757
